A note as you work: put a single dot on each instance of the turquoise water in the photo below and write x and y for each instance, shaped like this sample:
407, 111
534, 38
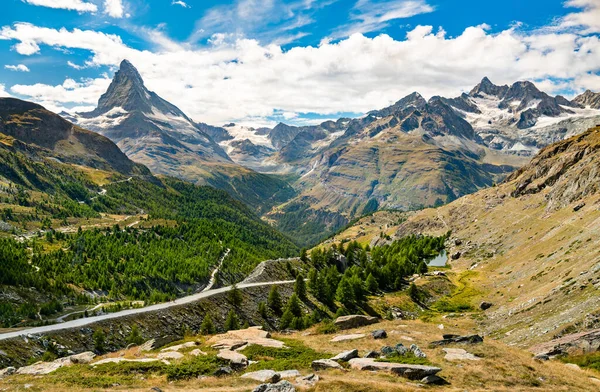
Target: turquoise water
440, 260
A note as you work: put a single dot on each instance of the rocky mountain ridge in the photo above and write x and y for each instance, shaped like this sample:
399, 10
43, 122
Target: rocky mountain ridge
156, 133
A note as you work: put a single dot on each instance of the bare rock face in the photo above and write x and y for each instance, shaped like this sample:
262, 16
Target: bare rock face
413, 372
583, 342
354, 321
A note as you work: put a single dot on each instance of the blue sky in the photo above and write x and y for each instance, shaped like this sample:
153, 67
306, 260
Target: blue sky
300, 60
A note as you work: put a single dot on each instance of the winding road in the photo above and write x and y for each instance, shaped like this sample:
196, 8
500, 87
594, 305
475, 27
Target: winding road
166, 305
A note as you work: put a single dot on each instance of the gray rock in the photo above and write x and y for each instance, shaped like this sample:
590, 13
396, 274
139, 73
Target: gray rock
372, 354
7, 371
156, 389
413, 372
281, 386
456, 255
289, 373
401, 349
449, 339
324, 364
223, 371
542, 357
354, 321
387, 350
485, 305
379, 334
269, 376
307, 381
434, 380
346, 355
236, 360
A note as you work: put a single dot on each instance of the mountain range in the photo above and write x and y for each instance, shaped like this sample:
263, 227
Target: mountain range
311, 180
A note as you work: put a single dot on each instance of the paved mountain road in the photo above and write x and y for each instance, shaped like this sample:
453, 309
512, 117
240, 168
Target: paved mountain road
166, 305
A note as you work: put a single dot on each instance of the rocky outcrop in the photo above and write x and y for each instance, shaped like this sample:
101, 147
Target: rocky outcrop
41, 368
582, 342
588, 99
354, 321
344, 338
235, 359
548, 170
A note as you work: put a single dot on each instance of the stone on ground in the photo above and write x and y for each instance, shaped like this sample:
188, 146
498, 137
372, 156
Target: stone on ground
289, 373
197, 352
307, 381
379, 334
180, 346
324, 364
281, 386
354, 321
223, 371
269, 376
41, 368
118, 360
346, 355
170, 355
233, 340
372, 354
236, 360
345, 338
413, 372
458, 354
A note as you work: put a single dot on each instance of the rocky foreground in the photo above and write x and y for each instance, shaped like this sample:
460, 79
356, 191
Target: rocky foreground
374, 354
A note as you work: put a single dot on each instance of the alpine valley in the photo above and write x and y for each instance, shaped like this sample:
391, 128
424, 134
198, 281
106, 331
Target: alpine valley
310, 181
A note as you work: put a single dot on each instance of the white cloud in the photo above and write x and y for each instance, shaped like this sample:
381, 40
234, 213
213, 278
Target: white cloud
181, 3
3, 92
18, 68
74, 5
588, 19
114, 8
368, 15
241, 80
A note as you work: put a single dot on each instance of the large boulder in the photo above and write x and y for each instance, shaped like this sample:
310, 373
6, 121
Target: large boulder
236, 360
413, 372
346, 355
379, 334
354, 321
324, 364
281, 386
7, 371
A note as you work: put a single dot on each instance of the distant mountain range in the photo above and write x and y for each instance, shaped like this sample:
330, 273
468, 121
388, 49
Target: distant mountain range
413, 153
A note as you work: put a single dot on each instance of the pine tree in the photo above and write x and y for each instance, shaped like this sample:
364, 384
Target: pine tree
207, 327
235, 296
232, 323
300, 287
134, 336
99, 340
303, 255
372, 285
274, 300
293, 306
286, 320
344, 293
262, 309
